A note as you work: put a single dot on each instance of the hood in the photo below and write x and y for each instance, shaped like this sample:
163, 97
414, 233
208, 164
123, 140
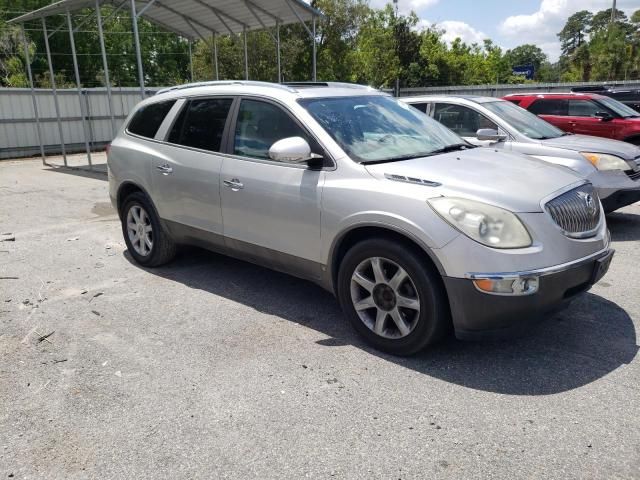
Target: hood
512, 181
587, 143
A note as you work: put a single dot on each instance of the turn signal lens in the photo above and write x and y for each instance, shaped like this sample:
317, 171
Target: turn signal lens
508, 286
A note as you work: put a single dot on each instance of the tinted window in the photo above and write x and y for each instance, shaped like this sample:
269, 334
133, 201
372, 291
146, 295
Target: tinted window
260, 125
462, 120
421, 106
514, 101
548, 107
147, 120
201, 124
583, 108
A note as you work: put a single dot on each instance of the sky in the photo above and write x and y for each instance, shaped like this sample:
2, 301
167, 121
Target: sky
508, 23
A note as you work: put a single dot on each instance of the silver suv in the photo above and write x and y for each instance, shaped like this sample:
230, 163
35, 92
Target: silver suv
412, 228
612, 166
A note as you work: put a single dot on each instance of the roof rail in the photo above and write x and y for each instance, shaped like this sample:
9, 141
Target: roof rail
327, 84
215, 83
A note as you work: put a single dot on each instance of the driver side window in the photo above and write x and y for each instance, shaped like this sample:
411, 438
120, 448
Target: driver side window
462, 120
260, 125
584, 108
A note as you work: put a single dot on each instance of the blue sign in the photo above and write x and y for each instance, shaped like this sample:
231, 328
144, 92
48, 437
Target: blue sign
526, 71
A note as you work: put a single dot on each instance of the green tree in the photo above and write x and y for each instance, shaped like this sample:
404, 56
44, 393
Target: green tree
573, 34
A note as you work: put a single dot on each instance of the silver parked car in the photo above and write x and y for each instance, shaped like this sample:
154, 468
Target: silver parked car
412, 228
612, 166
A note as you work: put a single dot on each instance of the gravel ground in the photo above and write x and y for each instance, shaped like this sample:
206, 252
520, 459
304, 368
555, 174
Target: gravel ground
215, 368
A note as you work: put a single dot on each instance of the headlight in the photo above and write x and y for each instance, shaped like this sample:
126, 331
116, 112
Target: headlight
604, 161
486, 224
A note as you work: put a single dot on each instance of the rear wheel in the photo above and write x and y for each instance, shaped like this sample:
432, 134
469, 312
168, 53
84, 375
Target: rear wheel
148, 243
392, 296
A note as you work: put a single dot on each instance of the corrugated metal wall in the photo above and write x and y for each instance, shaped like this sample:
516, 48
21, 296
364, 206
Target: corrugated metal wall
18, 130
19, 136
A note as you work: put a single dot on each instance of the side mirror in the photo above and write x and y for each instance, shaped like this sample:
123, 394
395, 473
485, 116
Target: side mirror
292, 150
490, 134
604, 116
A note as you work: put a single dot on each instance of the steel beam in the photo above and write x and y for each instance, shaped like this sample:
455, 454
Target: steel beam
215, 55
314, 49
136, 39
278, 51
27, 58
246, 58
105, 67
79, 85
56, 103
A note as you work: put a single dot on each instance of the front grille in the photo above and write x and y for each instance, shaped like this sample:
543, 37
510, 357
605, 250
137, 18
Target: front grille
576, 212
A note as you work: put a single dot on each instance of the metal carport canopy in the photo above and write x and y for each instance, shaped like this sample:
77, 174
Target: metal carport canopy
199, 18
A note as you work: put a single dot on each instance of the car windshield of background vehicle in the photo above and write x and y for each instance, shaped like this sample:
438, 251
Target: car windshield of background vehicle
523, 121
618, 107
381, 129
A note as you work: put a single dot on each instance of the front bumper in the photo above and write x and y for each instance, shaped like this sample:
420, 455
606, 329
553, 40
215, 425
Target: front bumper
478, 314
615, 189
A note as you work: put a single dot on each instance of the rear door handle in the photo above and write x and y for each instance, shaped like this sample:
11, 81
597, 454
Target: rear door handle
165, 169
233, 184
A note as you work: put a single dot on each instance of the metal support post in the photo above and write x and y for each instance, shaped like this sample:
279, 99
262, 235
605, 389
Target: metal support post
314, 48
105, 67
215, 55
246, 59
190, 60
76, 70
136, 39
55, 90
278, 51
27, 59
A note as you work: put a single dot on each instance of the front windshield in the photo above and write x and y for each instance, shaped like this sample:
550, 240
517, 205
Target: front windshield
376, 128
618, 107
523, 121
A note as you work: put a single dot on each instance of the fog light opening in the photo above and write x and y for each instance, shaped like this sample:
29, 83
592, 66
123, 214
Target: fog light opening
508, 286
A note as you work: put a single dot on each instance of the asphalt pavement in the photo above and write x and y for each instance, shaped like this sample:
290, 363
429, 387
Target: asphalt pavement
214, 368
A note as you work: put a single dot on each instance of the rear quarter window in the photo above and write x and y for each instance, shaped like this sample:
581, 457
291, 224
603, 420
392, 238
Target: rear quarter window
513, 100
147, 120
549, 106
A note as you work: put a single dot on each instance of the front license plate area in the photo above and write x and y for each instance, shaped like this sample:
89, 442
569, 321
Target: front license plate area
601, 267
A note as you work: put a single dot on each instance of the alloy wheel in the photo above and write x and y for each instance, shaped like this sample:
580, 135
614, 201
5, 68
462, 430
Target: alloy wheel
385, 297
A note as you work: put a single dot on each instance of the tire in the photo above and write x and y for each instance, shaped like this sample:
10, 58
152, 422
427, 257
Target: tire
160, 249
376, 318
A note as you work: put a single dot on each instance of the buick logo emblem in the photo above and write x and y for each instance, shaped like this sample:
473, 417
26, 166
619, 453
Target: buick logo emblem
590, 203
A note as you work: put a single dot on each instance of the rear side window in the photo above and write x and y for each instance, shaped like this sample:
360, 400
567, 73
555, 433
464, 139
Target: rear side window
549, 107
147, 120
420, 106
583, 108
260, 125
462, 120
201, 124
513, 100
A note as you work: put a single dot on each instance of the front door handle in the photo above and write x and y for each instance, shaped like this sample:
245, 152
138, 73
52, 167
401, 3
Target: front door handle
234, 184
165, 169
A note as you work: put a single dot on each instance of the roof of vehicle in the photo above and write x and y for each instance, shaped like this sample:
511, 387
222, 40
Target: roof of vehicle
469, 98
269, 90
561, 95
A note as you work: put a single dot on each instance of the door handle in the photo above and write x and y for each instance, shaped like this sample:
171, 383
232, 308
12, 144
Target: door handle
165, 169
233, 184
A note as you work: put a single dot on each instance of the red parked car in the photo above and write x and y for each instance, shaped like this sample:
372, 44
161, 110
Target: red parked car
583, 113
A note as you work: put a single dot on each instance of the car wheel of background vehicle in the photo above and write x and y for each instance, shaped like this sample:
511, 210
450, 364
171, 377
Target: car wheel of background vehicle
392, 296
148, 243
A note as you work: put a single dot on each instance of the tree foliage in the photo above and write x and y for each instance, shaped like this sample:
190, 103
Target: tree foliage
355, 43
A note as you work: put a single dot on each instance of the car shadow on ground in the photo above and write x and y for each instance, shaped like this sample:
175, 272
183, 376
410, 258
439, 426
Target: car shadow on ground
98, 172
624, 227
583, 343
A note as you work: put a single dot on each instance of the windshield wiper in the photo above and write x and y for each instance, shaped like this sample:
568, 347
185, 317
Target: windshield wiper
452, 148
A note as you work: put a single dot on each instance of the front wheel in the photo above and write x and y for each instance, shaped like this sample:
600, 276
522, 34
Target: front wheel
392, 296
148, 243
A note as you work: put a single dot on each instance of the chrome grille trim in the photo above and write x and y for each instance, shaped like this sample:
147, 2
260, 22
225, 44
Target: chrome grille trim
572, 213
